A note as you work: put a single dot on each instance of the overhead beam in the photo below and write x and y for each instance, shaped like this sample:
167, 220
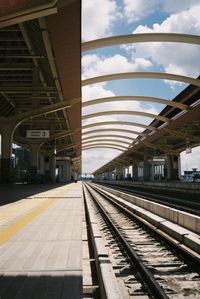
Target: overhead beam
58, 136
23, 56
28, 13
51, 59
109, 143
135, 98
27, 89
140, 38
8, 99
148, 75
31, 50
160, 147
15, 66
127, 123
183, 135
114, 130
109, 140
106, 136
64, 147
101, 146
38, 111
126, 112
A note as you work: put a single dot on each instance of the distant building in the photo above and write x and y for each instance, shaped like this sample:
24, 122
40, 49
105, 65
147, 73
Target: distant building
23, 155
21, 165
192, 175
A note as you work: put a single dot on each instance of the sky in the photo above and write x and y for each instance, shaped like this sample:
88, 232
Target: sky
104, 18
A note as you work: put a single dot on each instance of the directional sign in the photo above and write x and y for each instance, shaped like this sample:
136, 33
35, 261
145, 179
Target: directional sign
37, 134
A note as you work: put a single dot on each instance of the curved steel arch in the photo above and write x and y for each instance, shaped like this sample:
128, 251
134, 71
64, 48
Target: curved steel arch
139, 113
109, 140
108, 135
127, 123
111, 144
140, 38
149, 75
115, 130
135, 98
102, 146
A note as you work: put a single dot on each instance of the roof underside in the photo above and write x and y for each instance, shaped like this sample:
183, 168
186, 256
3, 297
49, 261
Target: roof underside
40, 66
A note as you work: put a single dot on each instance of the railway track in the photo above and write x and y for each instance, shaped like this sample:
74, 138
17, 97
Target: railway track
144, 262
187, 204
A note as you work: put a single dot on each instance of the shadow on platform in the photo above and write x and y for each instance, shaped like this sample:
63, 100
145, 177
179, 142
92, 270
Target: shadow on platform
40, 286
13, 193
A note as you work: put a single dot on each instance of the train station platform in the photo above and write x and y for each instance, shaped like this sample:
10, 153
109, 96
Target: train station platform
159, 186
41, 241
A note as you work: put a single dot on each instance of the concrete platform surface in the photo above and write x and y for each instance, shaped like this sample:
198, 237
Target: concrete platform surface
41, 243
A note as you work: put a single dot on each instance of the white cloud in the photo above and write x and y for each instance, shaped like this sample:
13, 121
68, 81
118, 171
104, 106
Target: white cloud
99, 158
95, 91
97, 18
94, 65
167, 55
183, 22
172, 6
138, 9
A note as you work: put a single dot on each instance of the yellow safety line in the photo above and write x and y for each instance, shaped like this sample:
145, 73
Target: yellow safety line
6, 234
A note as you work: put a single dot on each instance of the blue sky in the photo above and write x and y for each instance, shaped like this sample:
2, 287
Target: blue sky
102, 18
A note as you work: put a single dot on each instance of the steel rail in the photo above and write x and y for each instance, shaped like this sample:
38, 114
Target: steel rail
147, 275
188, 255
168, 200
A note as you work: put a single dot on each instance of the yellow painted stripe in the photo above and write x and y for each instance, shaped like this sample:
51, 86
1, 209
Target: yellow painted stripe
6, 234
18, 209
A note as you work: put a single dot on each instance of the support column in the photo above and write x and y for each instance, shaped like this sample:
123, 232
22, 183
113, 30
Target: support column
119, 174
146, 174
34, 162
99, 177
53, 168
47, 169
75, 176
172, 167
106, 176
7, 131
111, 175
68, 171
134, 171
59, 167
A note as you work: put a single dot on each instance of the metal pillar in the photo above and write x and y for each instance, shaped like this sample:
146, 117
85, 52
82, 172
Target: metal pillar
34, 162
110, 176
47, 175
68, 171
63, 170
99, 177
146, 174
7, 131
119, 174
53, 168
134, 171
172, 167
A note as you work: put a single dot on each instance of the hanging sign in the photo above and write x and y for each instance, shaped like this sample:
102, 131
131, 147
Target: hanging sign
188, 150
37, 134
